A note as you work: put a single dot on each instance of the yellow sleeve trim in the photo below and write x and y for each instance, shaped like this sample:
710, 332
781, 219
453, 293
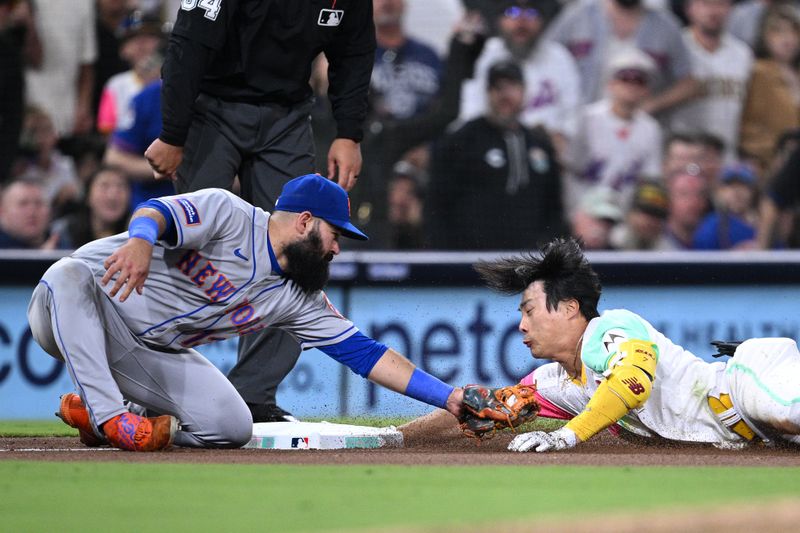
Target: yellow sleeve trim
627, 387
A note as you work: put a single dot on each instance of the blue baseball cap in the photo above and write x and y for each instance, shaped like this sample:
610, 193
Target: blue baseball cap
323, 199
740, 172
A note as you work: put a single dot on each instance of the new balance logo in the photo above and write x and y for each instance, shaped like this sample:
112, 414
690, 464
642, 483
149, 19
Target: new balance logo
635, 387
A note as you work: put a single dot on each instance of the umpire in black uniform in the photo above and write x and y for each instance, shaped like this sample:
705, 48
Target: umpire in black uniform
236, 101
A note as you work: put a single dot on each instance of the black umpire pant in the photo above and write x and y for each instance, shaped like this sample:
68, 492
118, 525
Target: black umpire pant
266, 145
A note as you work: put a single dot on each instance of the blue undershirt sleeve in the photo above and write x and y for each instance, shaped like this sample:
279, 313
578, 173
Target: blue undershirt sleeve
170, 234
358, 352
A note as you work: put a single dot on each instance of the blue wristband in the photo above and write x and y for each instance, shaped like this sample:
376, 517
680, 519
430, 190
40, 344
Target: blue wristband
144, 228
426, 388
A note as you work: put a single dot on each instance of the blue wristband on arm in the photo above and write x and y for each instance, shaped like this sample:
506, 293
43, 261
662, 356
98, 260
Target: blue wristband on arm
426, 388
144, 228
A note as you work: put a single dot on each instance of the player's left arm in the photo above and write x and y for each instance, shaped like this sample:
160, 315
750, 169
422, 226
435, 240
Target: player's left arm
130, 263
628, 384
386, 367
397, 373
627, 358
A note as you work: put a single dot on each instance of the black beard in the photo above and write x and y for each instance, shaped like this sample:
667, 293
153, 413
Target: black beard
520, 52
308, 265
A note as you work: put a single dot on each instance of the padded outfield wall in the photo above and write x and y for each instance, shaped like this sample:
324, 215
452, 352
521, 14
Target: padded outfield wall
432, 308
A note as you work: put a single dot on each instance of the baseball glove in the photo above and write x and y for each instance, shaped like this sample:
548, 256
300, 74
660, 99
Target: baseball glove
487, 410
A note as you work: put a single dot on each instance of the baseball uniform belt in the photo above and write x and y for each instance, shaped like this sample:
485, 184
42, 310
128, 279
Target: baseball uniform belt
730, 418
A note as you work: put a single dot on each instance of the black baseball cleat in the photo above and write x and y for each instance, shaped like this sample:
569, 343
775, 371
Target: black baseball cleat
269, 413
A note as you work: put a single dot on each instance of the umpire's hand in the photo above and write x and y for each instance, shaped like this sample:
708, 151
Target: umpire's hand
344, 162
131, 263
164, 159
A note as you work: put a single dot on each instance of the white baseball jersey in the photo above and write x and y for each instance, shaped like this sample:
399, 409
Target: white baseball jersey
763, 379
611, 152
724, 75
552, 86
218, 280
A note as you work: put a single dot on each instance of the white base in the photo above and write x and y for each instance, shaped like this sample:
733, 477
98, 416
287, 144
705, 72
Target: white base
321, 436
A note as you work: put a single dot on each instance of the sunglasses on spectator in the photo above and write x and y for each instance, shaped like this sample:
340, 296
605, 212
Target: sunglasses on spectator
516, 12
632, 76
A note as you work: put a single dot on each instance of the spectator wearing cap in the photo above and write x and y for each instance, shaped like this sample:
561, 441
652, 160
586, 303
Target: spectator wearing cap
495, 184
617, 142
140, 48
644, 227
721, 63
731, 224
594, 31
689, 199
595, 218
552, 82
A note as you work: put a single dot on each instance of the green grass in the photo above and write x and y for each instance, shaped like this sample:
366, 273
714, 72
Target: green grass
36, 428
38, 496
103, 496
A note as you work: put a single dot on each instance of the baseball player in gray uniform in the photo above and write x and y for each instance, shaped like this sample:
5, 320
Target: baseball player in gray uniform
126, 312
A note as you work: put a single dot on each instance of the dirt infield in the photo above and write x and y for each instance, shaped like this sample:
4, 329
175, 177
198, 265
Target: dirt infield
453, 449
450, 449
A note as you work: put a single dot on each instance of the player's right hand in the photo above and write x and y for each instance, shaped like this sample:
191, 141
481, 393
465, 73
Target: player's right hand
164, 159
540, 441
130, 263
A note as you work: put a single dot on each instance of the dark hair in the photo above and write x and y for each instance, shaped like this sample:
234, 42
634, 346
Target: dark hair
774, 13
685, 137
562, 267
710, 140
80, 223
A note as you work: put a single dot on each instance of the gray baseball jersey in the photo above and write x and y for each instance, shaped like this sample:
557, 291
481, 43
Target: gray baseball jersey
218, 280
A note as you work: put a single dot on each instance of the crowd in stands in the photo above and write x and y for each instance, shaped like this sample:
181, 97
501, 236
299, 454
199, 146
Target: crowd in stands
631, 124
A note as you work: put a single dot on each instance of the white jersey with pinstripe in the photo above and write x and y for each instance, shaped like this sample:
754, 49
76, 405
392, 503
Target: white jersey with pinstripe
761, 378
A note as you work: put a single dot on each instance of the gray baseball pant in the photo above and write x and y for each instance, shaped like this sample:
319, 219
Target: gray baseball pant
266, 145
73, 320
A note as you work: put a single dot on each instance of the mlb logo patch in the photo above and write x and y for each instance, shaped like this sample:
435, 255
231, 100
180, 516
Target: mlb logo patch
330, 17
301, 443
